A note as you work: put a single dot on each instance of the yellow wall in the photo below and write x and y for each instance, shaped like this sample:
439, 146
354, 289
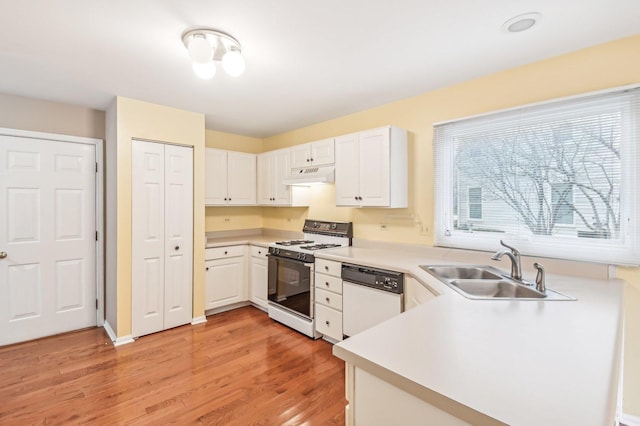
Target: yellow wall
599, 67
232, 142
141, 120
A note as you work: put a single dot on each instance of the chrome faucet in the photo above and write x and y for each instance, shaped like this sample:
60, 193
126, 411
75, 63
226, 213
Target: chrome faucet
540, 285
514, 255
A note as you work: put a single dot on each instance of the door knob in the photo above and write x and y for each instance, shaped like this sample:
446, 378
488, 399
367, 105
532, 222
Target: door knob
3, 254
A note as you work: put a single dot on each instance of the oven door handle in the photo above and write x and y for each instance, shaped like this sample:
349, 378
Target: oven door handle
286, 259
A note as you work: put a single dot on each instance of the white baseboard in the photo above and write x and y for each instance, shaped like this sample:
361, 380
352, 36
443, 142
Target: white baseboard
629, 420
117, 341
226, 308
199, 320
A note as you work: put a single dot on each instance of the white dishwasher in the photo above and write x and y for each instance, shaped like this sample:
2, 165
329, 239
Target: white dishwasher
369, 296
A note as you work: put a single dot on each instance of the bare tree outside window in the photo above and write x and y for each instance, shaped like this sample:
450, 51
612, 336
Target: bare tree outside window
558, 177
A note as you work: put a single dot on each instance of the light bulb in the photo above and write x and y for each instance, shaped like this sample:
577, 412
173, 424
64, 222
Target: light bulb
204, 71
233, 63
200, 49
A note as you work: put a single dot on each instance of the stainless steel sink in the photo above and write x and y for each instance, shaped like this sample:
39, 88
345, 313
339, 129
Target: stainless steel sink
465, 272
488, 283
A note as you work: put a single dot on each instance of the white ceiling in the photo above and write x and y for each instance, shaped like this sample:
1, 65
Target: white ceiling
306, 61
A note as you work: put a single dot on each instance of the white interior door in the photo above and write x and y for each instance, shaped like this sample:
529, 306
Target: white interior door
162, 236
147, 237
47, 231
178, 227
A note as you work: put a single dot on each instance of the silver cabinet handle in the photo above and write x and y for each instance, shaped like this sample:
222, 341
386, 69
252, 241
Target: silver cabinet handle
3, 254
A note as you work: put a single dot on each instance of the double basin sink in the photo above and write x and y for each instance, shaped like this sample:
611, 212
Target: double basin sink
488, 283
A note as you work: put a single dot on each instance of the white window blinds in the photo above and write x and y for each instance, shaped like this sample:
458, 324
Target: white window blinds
558, 179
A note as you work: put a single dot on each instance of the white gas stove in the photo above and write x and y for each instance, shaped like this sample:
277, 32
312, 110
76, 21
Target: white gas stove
291, 269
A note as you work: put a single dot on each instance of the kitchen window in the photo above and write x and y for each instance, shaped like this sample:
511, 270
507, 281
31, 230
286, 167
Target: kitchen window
555, 179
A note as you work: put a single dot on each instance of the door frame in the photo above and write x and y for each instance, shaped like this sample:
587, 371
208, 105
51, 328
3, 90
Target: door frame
99, 201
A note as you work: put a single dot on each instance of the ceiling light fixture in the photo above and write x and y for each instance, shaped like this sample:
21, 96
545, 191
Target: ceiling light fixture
207, 46
521, 22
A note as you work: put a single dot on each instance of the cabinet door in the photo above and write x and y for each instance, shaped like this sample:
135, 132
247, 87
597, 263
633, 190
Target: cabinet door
224, 282
347, 170
266, 178
258, 279
241, 179
300, 156
415, 293
215, 186
374, 167
323, 152
178, 225
281, 170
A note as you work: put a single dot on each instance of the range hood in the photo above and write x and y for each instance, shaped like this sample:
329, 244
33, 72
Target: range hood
310, 175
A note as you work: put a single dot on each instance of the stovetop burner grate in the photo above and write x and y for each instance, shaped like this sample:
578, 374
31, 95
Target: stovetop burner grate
320, 246
293, 242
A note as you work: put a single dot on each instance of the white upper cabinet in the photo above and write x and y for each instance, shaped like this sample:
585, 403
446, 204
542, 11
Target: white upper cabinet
273, 168
371, 168
230, 178
318, 153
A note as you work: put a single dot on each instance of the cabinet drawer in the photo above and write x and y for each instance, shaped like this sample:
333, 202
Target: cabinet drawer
223, 252
257, 251
329, 322
327, 282
329, 267
329, 299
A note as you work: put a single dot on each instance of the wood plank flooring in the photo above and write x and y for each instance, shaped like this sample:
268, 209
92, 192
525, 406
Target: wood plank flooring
240, 368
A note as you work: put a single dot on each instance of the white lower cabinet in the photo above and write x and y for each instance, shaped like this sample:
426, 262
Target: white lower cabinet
328, 299
415, 293
226, 276
258, 276
369, 398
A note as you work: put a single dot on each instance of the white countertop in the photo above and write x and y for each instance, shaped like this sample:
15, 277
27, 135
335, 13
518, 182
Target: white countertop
517, 362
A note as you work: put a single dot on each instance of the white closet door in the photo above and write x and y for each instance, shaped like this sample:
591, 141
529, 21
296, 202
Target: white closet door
147, 236
47, 230
178, 235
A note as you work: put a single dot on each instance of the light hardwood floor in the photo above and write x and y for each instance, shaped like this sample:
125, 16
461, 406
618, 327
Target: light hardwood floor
240, 368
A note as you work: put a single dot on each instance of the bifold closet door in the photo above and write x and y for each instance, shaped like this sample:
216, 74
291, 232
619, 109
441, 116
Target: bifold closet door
162, 236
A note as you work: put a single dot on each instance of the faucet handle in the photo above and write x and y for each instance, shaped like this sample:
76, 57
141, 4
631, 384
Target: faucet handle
513, 249
540, 284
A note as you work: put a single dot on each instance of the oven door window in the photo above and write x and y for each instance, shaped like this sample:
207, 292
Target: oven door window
290, 285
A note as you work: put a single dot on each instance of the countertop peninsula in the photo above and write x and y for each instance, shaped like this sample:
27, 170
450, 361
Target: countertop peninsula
512, 362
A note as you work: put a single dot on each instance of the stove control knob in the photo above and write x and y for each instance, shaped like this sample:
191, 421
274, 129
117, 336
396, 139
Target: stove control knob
316, 224
334, 226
